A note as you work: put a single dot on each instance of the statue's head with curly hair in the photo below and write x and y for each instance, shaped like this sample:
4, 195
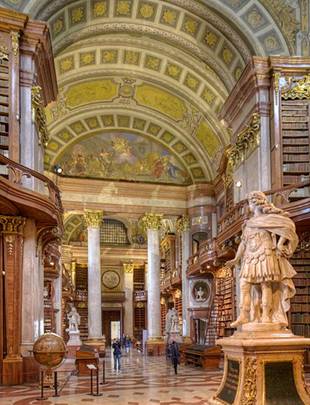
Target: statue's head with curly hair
257, 199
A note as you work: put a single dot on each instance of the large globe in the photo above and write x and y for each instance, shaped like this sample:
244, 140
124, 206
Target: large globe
49, 350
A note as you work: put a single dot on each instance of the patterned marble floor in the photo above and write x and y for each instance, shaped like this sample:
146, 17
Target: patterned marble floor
141, 381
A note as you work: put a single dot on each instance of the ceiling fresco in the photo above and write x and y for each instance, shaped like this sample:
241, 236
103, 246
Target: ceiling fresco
156, 71
124, 156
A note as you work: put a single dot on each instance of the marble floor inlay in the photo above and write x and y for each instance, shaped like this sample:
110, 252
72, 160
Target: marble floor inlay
141, 381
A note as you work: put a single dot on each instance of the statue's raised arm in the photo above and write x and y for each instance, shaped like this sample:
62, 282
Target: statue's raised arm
268, 240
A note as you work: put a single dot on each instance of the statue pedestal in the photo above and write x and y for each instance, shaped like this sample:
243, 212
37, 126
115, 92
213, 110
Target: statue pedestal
263, 367
174, 336
98, 344
74, 338
74, 343
155, 346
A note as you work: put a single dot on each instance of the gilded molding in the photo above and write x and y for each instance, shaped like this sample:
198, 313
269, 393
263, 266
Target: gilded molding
152, 221
183, 223
39, 114
247, 141
12, 225
4, 53
249, 392
223, 272
15, 42
128, 267
300, 91
93, 218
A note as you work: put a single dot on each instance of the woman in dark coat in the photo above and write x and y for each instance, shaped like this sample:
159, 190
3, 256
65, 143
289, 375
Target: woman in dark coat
174, 355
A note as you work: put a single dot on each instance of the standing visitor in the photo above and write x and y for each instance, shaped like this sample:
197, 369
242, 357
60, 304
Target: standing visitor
127, 343
117, 353
174, 355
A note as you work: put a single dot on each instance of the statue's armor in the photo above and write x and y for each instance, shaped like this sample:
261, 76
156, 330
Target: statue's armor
260, 261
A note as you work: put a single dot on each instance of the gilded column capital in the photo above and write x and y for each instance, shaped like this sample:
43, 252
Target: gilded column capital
93, 218
152, 221
183, 223
128, 267
15, 42
13, 225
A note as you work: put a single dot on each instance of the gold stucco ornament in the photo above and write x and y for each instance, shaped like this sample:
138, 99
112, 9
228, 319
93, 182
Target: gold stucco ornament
152, 221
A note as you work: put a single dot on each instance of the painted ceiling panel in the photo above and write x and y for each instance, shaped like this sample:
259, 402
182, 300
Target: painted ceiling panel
123, 156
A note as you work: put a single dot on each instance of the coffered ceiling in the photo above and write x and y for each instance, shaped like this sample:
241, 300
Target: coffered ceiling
153, 71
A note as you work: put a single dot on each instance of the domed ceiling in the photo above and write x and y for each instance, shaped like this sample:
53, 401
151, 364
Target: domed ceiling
141, 82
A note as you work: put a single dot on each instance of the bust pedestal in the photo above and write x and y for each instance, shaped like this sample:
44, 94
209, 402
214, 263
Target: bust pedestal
263, 366
74, 343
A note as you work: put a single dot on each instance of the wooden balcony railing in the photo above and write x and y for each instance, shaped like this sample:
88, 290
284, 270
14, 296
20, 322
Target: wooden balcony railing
294, 199
16, 173
288, 198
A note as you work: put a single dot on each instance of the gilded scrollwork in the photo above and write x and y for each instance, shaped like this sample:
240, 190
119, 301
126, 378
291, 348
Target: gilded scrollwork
183, 224
39, 114
93, 218
298, 89
249, 387
152, 221
12, 225
246, 142
4, 53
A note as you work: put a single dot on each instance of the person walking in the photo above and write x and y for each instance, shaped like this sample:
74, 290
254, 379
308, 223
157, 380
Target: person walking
117, 353
174, 355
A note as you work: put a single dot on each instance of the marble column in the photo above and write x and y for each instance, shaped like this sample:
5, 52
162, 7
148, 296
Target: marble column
32, 291
183, 226
93, 220
128, 286
12, 242
152, 223
57, 305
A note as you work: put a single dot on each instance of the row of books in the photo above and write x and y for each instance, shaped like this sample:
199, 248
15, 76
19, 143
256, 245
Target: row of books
296, 149
295, 118
293, 108
296, 167
300, 318
300, 307
294, 125
302, 298
296, 158
302, 330
296, 141
301, 281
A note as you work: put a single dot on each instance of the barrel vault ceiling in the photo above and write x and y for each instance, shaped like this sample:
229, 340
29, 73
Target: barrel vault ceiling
155, 73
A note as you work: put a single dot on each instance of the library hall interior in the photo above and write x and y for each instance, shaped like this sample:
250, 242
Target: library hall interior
155, 202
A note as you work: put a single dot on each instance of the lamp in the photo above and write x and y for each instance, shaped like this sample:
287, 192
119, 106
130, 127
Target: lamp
57, 169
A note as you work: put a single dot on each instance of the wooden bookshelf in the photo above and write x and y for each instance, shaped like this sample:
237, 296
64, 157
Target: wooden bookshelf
295, 142
300, 304
81, 298
226, 304
139, 309
139, 320
4, 111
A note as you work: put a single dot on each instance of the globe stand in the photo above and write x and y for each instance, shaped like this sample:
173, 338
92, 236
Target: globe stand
56, 385
42, 397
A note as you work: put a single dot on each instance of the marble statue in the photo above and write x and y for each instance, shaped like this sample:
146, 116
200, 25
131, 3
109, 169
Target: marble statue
199, 294
172, 321
74, 320
268, 240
